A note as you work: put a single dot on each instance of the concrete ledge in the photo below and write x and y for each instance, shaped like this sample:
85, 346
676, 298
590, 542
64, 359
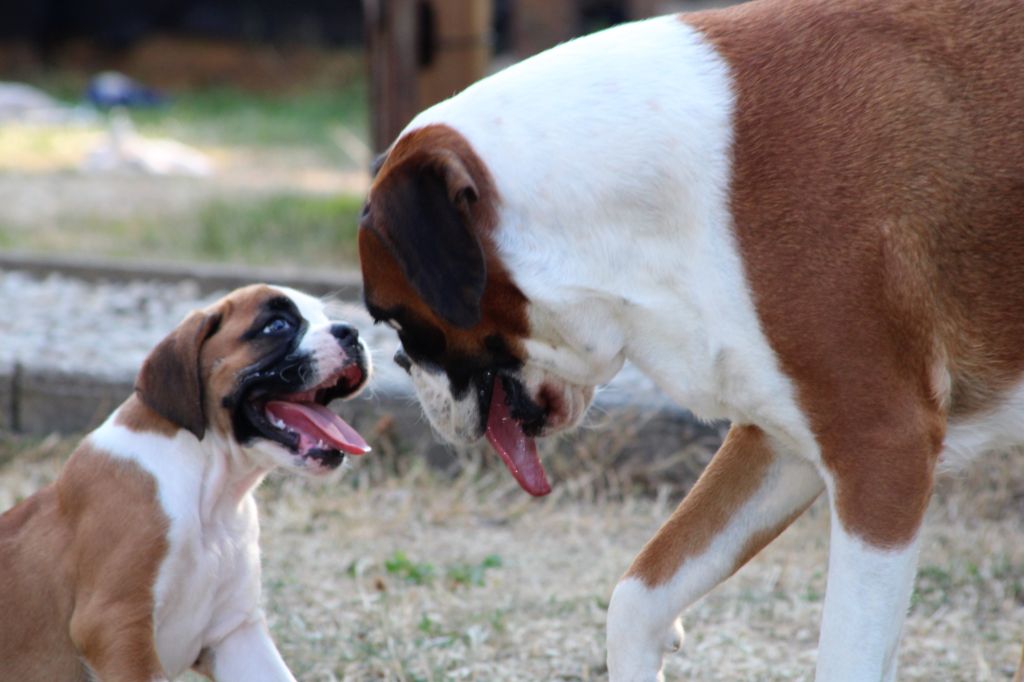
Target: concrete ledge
56, 402
627, 444
634, 434
8, 391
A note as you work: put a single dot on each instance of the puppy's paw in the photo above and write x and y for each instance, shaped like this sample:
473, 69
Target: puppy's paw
674, 637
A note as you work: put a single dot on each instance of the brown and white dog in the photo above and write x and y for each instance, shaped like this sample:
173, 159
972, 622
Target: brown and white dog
805, 216
142, 559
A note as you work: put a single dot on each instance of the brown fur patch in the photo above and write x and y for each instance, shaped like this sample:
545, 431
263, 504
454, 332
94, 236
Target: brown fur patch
170, 382
134, 415
503, 306
733, 476
187, 376
225, 354
878, 202
78, 561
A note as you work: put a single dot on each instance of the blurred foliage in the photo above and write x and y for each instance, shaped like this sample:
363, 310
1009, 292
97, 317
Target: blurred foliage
300, 229
225, 116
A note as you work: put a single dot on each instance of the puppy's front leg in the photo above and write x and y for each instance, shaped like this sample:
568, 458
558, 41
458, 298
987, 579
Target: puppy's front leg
247, 654
747, 495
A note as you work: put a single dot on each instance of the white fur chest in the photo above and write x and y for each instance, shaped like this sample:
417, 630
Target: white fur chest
209, 581
208, 585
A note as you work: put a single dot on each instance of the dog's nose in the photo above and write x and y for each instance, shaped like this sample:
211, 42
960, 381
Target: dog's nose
402, 360
345, 333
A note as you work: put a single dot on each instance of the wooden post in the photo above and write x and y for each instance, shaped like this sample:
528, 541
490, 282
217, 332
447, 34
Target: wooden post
421, 52
540, 24
641, 9
391, 46
461, 53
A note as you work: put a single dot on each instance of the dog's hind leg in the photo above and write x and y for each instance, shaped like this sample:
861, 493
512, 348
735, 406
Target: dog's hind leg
748, 494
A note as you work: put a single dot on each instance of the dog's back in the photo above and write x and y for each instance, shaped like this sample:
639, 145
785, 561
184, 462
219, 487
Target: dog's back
34, 642
83, 532
888, 137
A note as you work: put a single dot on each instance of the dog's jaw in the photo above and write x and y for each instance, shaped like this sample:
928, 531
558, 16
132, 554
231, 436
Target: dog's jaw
326, 362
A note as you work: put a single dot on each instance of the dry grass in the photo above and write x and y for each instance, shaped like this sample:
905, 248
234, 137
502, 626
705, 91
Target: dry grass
395, 573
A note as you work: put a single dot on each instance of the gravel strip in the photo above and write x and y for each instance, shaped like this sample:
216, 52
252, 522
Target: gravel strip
70, 349
105, 329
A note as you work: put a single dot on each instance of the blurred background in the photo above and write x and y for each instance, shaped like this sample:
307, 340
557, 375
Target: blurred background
154, 154
221, 130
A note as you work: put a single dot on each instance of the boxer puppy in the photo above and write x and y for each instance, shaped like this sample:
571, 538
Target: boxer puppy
142, 559
805, 216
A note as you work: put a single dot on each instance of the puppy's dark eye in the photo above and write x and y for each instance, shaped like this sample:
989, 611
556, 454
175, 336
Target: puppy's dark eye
278, 325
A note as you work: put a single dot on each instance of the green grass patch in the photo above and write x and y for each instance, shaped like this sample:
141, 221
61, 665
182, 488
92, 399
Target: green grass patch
294, 228
458, 574
469, 574
279, 229
227, 116
230, 116
415, 572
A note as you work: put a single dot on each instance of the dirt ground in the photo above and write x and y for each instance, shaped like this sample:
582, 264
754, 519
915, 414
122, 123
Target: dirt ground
407, 576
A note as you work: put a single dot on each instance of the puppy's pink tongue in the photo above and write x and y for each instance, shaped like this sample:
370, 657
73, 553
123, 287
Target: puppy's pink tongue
517, 450
315, 423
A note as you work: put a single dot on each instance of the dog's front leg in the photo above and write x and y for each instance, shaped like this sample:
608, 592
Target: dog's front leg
747, 495
880, 484
865, 606
247, 654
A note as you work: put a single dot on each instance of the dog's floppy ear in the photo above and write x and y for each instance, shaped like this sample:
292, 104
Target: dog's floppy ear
425, 218
170, 382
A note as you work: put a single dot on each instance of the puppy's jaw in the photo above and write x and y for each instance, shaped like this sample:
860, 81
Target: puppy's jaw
324, 359
246, 365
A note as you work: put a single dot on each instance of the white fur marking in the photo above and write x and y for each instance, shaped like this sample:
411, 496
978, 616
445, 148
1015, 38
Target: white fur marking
999, 428
865, 606
614, 222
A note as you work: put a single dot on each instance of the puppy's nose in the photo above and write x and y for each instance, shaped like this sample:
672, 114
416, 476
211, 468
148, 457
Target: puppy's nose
345, 333
402, 360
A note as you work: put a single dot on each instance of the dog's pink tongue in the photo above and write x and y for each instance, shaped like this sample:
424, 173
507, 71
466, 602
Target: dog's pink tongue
315, 423
518, 451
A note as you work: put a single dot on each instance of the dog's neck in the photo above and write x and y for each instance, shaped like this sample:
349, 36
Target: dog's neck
594, 200
616, 220
216, 473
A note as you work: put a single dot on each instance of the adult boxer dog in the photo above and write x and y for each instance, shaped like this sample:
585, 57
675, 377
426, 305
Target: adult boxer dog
142, 559
805, 216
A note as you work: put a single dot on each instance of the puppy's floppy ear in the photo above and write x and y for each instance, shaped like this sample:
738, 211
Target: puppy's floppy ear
170, 382
425, 218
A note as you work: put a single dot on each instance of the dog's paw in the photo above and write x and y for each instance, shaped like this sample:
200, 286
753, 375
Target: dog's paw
674, 637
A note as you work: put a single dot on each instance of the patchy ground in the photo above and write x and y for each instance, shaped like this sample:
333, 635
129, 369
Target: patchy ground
394, 574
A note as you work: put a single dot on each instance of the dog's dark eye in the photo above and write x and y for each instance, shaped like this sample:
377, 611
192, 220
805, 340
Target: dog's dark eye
278, 325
